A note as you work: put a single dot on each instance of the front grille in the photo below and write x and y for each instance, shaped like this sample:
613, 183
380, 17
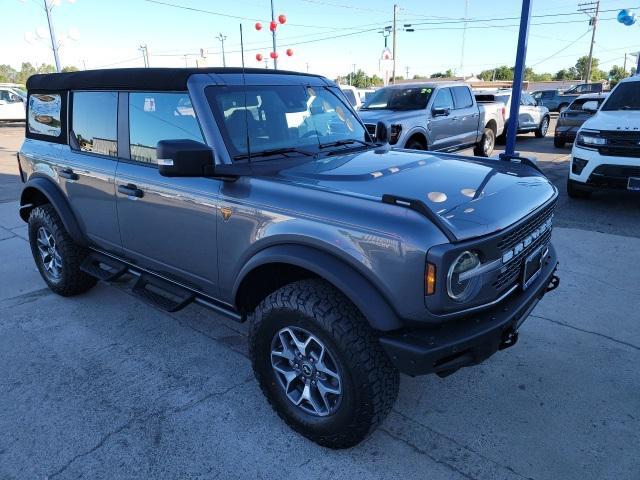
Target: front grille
613, 176
371, 128
510, 273
621, 144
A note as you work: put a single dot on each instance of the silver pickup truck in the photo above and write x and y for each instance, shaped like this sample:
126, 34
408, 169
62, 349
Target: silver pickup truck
433, 116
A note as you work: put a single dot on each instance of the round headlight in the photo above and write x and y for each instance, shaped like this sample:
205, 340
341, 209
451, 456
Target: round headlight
462, 289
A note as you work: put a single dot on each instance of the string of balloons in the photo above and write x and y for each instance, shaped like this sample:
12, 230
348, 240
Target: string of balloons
273, 25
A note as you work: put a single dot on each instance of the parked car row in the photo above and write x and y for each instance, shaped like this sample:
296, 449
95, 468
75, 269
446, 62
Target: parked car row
12, 103
437, 116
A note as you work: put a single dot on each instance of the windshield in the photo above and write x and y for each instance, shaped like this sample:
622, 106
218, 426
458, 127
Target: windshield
292, 117
393, 98
626, 96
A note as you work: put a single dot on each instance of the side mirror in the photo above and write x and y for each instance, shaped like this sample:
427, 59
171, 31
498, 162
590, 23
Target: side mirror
184, 158
381, 132
14, 98
590, 106
440, 112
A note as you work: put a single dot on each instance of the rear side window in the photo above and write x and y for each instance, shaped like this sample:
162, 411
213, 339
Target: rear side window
94, 122
45, 116
157, 116
462, 97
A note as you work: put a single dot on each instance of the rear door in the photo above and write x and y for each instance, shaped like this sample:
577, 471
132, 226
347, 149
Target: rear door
527, 112
442, 129
466, 116
168, 225
87, 174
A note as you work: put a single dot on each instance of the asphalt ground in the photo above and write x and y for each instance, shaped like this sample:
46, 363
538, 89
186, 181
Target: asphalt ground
104, 386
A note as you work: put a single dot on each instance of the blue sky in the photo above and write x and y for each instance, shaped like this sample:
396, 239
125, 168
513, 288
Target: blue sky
111, 32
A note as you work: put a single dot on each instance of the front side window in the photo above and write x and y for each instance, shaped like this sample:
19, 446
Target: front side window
44, 114
443, 99
265, 118
94, 122
462, 97
626, 96
394, 98
155, 116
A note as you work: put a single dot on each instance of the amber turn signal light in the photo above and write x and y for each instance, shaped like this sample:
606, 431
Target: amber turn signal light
430, 279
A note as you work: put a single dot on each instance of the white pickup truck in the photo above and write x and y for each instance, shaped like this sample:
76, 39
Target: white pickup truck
606, 153
12, 105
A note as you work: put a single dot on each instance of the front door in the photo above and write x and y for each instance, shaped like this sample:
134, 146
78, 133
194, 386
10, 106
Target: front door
442, 128
167, 225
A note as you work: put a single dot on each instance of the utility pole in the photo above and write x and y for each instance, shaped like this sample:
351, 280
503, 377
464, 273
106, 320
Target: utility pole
393, 74
222, 38
625, 63
307, 64
406, 69
145, 54
48, 6
592, 9
273, 35
464, 36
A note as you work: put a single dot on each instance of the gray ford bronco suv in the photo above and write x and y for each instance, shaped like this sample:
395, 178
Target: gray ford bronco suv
261, 195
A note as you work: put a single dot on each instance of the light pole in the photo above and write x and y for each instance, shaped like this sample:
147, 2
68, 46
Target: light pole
273, 35
591, 8
145, 55
222, 38
48, 6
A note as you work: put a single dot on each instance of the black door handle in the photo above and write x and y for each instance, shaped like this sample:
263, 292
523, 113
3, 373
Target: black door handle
130, 190
68, 174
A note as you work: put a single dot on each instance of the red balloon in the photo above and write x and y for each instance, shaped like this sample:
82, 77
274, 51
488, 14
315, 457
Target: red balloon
258, 26
282, 19
289, 52
273, 55
259, 57
273, 26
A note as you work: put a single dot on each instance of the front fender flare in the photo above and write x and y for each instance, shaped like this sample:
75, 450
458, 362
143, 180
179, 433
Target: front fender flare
57, 199
364, 295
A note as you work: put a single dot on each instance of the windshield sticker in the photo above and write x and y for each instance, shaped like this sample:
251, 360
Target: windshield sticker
44, 114
426, 90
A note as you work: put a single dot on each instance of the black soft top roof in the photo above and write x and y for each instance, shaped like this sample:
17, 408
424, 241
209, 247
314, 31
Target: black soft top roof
135, 78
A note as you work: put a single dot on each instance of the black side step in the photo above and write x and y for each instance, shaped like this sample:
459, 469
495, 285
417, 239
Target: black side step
161, 293
102, 267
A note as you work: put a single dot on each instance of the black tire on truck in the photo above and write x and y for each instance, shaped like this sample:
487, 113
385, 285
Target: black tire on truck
559, 142
57, 256
485, 147
575, 191
542, 129
319, 364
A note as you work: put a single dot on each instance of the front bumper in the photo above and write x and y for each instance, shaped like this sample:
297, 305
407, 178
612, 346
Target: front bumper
469, 341
568, 134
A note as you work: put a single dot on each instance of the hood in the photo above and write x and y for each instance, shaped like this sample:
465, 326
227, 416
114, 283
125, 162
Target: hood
623, 120
473, 197
389, 116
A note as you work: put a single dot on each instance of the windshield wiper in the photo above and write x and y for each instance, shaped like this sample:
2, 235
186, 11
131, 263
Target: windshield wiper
629, 107
339, 143
274, 151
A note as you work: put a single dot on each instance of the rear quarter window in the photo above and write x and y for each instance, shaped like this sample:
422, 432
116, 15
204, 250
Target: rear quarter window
46, 117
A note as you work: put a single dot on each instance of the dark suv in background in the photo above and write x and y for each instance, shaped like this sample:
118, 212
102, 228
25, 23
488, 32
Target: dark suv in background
260, 194
571, 119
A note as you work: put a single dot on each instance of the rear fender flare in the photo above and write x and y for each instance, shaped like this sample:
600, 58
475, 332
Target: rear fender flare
46, 187
364, 295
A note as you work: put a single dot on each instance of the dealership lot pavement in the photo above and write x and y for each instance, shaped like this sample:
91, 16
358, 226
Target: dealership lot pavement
103, 386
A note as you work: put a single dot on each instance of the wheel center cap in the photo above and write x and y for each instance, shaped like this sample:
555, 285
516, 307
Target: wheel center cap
307, 369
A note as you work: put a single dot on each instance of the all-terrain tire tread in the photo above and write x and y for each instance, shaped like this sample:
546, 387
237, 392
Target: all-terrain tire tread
349, 329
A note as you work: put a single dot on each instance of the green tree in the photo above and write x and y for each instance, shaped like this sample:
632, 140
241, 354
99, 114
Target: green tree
7, 74
448, 74
46, 68
616, 74
581, 67
26, 70
498, 73
70, 68
359, 79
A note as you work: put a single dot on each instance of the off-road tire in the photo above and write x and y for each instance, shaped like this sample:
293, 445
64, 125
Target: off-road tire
415, 144
370, 381
543, 128
576, 192
559, 142
486, 145
72, 280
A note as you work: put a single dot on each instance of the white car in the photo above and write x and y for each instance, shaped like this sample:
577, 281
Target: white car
606, 153
352, 94
12, 105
